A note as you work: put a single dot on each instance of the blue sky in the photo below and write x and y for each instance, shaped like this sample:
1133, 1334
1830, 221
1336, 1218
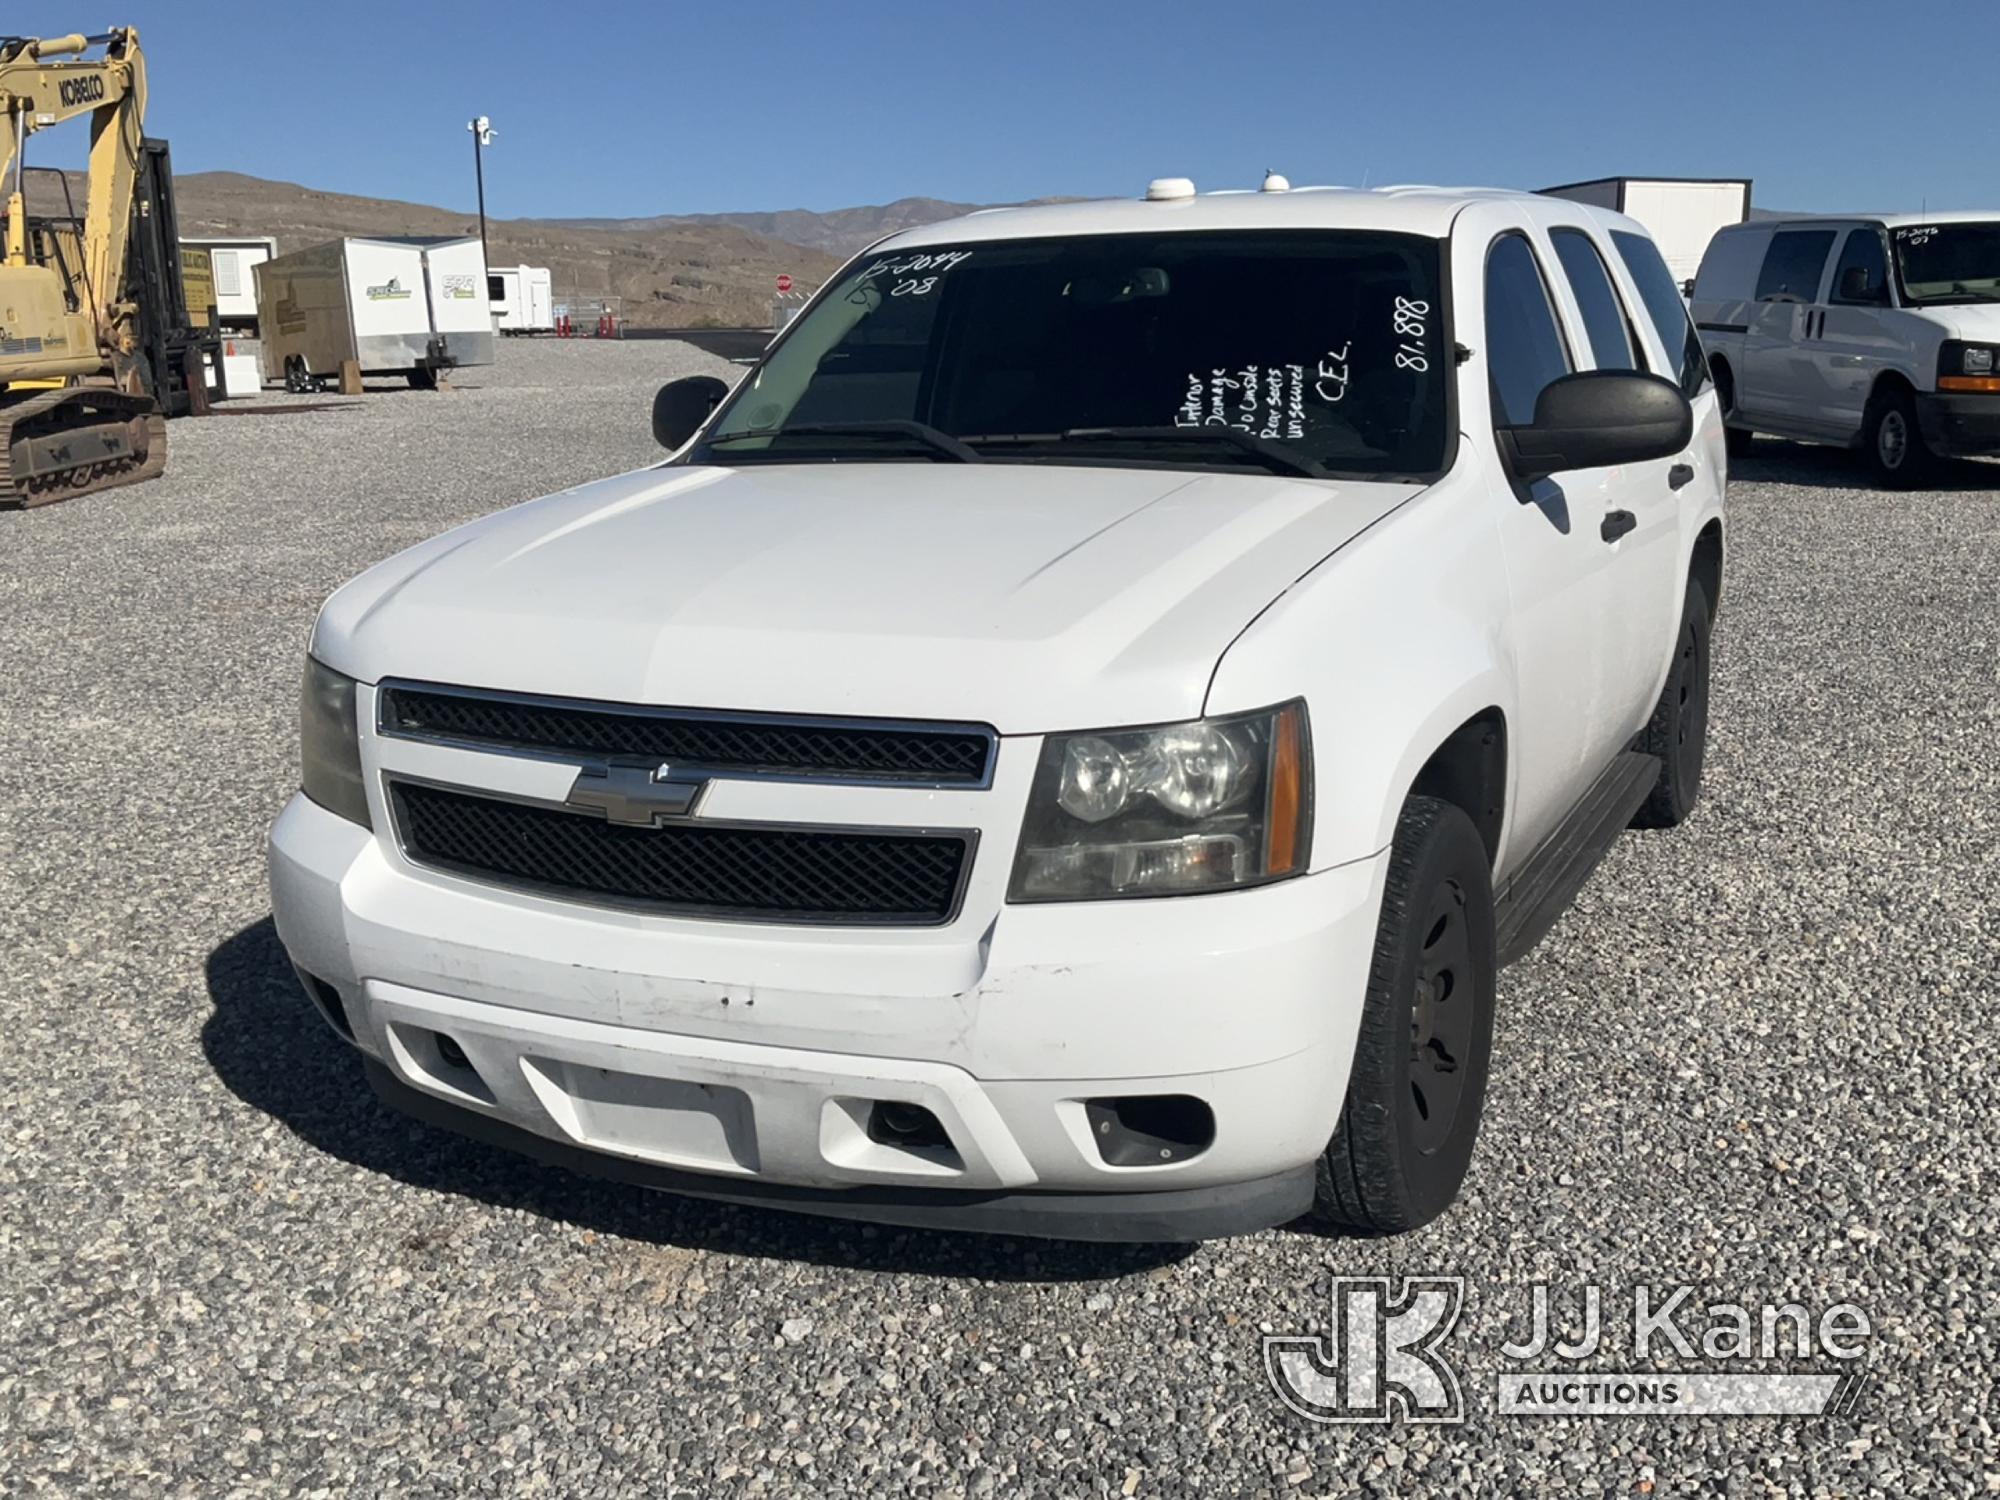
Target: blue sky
630, 109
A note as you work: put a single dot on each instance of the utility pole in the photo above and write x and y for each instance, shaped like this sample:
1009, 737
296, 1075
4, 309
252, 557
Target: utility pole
482, 137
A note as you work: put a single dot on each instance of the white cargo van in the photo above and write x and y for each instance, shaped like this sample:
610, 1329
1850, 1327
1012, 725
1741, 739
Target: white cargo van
1877, 332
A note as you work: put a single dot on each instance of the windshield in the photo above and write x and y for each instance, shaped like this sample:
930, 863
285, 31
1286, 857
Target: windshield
1308, 352
1948, 262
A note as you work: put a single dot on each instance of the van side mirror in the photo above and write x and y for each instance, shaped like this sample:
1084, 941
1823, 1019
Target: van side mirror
682, 406
1596, 418
1854, 286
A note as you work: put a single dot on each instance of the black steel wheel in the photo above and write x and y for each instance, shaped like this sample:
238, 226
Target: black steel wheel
1418, 1081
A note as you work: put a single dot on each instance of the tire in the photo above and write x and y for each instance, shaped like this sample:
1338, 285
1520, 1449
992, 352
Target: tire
424, 378
1893, 440
1408, 1125
1677, 733
1737, 440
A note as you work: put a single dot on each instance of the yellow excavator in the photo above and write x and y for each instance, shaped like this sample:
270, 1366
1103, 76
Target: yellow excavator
66, 313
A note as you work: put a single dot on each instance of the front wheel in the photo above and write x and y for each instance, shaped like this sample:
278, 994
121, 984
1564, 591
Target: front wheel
1418, 1082
1894, 441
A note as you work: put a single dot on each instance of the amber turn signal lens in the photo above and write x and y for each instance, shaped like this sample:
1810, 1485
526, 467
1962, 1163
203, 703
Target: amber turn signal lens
1285, 847
1990, 384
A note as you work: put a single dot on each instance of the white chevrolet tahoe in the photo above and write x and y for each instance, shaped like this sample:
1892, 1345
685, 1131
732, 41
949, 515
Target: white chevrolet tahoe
1063, 747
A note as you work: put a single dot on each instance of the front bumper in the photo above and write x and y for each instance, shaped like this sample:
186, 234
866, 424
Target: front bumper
1960, 424
740, 1061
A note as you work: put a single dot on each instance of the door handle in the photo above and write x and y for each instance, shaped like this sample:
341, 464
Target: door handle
1616, 524
1680, 476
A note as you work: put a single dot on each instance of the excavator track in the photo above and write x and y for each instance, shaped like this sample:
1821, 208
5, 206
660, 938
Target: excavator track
57, 445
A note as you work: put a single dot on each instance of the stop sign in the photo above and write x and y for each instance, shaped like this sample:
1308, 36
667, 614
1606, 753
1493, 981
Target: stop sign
784, 283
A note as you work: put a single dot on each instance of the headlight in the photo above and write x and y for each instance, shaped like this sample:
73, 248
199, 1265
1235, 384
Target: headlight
1968, 367
330, 744
1201, 806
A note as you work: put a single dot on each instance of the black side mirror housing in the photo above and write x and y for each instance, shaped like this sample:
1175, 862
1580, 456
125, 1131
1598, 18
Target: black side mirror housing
1596, 418
1854, 286
682, 406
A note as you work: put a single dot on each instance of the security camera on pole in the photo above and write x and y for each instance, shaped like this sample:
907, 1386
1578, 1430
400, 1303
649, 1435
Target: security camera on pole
482, 137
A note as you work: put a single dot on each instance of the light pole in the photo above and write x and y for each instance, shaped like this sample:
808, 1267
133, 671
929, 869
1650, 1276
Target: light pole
482, 137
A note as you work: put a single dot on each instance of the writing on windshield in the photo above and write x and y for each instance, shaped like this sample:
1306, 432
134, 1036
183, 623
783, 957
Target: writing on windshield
1326, 342
1948, 262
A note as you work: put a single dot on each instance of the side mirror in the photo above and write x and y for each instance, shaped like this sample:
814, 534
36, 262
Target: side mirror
1854, 286
682, 406
1597, 418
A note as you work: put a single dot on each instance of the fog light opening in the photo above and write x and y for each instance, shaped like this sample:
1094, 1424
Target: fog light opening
451, 1053
1150, 1130
895, 1122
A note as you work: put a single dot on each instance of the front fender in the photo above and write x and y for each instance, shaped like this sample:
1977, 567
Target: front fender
1393, 642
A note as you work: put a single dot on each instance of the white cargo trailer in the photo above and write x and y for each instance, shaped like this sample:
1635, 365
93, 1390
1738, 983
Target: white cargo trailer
1681, 213
522, 299
235, 261
402, 306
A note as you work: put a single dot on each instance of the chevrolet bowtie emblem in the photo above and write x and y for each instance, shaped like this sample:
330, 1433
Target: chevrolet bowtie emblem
639, 795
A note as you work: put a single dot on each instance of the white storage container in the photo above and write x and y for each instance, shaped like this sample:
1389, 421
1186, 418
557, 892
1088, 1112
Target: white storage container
522, 299
1681, 213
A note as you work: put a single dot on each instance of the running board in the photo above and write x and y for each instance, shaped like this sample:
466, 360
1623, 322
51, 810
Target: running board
1525, 911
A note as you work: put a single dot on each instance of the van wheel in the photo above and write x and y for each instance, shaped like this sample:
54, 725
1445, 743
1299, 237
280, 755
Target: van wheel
1894, 442
1677, 733
1418, 1081
1736, 439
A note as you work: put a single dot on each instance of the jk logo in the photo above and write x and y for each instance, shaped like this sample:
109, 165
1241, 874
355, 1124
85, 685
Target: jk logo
1380, 1362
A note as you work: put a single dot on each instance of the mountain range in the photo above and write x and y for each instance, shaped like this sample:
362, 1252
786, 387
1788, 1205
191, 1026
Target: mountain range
667, 271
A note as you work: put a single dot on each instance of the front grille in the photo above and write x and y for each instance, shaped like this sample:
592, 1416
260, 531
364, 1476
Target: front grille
845, 749
752, 872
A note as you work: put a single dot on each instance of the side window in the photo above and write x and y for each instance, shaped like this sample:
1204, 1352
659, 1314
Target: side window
1524, 344
1604, 320
1862, 275
1664, 306
1792, 266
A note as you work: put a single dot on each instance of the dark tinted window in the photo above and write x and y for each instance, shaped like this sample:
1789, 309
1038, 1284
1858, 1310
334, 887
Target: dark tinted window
1664, 306
1524, 344
1604, 318
1792, 266
1946, 263
1331, 343
1863, 264
496, 289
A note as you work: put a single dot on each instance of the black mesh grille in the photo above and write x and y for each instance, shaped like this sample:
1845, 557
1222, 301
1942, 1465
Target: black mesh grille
793, 747
776, 874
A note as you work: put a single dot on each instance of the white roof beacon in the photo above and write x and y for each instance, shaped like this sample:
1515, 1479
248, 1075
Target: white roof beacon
1169, 189
1276, 182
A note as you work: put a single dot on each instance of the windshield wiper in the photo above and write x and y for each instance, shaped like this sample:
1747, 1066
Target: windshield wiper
921, 433
1272, 455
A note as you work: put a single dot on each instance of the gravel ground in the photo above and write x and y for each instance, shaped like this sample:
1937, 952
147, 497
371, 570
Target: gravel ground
1758, 1057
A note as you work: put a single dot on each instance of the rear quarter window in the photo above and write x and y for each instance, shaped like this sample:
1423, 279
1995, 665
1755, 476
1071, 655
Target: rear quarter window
1662, 299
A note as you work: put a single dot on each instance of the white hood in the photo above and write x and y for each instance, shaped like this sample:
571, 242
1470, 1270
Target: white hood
1974, 322
1028, 597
